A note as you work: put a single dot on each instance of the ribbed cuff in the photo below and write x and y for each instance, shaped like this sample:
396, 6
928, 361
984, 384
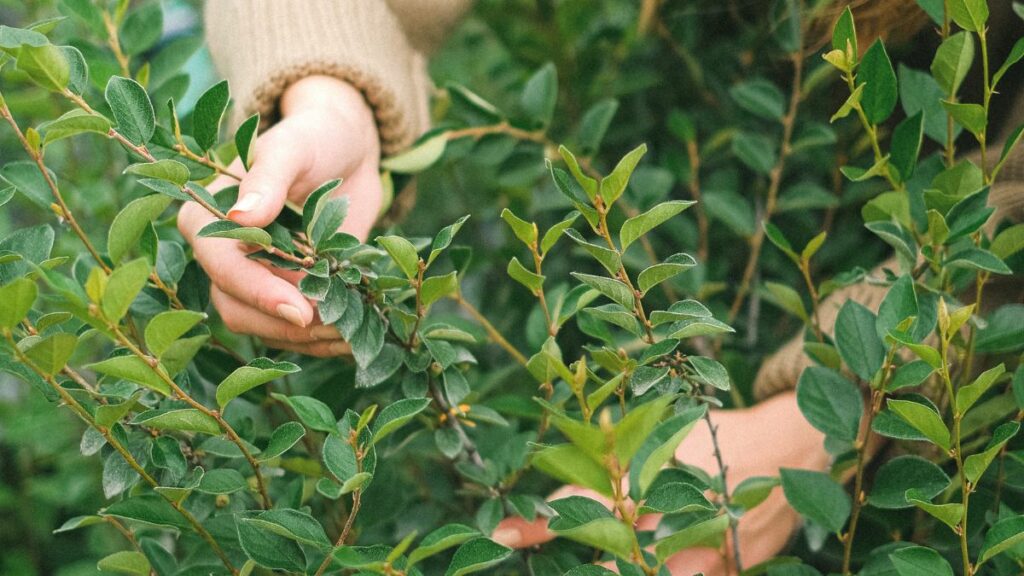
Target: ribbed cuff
263, 46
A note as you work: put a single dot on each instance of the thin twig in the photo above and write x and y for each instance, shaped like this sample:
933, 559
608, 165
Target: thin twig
492, 332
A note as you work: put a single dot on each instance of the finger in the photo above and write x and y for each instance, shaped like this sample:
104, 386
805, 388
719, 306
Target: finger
365, 195
243, 319
251, 282
323, 349
279, 159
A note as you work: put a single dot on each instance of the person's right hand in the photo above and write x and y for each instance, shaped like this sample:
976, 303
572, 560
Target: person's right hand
326, 131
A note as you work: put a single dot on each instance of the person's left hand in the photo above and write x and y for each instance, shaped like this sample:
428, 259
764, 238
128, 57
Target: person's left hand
755, 441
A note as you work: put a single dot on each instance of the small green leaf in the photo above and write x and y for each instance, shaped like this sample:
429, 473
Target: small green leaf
50, 353
756, 151
786, 298
1016, 53
520, 274
588, 184
567, 463
167, 327
752, 491
949, 514
208, 112
704, 534
132, 109
845, 32
293, 525
477, 555
831, 403
976, 464
658, 273
73, 123
281, 440
525, 231
952, 61
444, 238
18, 297
641, 224
1003, 535
969, 14
396, 415
613, 185
133, 369
180, 419
132, 221
419, 157
124, 284
222, 481
314, 414
607, 257
437, 287
613, 289
816, 496
256, 373
46, 65
903, 473
442, 539
125, 562
966, 396
555, 232
906, 145
590, 523
857, 340
245, 139
674, 498
923, 419
659, 447
759, 97
270, 550
229, 229
540, 95
167, 170
776, 237
970, 116
402, 252
919, 561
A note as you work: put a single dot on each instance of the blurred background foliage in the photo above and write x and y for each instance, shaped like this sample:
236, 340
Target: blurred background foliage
622, 81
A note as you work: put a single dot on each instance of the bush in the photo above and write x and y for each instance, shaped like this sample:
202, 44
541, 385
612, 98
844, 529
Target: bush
216, 455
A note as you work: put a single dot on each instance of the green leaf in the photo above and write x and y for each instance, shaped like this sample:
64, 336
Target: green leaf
540, 95
978, 259
165, 328
849, 105
322, 213
752, 491
590, 523
924, 419
525, 231
658, 273
970, 116
675, 498
142, 28
293, 525
948, 514
477, 555
46, 65
786, 298
167, 170
520, 274
73, 123
613, 185
281, 440
857, 340
760, 97
18, 297
659, 447
245, 139
570, 465
222, 481
270, 550
899, 304
313, 413
150, 509
845, 32
419, 157
180, 419
710, 372
704, 534
402, 252
1008, 242
816, 496
919, 92
130, 223
776, 237
131, 108
952, 61
969, 14
641, 224
1016, 53
976, 464
607, 257
588, 184
442, 539
966, 396
133, 369
594, 125
906, 145
756, 151
616, 290
256, 373
903, 473
699, 327
207, 115
125, 562
50, 353
396, 415
124, 284
229, 229
831, 403
14, 38
1003, 535
368, 339
555, 232
444, 238
919, 561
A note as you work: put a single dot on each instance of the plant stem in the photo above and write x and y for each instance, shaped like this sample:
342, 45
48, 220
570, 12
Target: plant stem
492, 332
986, 97
217, 167
774, 183
421, 267
965, 487
805, 271
726, 498
702, 219
233, 436
357, 499
638, 305
114, 443
114, 43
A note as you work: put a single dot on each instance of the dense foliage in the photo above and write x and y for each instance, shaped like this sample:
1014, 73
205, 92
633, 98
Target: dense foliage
559, 335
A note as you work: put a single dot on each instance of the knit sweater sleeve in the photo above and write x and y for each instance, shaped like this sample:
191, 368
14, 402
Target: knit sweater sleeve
377, 46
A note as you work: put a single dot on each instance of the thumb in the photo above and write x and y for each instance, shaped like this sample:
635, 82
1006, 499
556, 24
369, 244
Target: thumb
277, 164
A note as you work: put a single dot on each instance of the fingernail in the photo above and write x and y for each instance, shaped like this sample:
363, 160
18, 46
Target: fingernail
341, 349
506, 536
291, 314
247, 202
324, 333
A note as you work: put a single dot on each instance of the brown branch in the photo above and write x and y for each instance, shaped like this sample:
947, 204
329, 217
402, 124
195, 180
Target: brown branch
492, 332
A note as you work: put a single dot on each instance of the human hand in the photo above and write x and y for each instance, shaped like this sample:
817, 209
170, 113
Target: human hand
326, 131
755, 441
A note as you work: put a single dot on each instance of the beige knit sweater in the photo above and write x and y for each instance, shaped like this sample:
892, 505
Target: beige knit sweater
380, 47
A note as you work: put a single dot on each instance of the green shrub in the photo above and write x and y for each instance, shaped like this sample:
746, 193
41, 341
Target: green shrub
218, 455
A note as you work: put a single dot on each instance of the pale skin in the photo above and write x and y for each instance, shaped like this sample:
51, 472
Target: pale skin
327, 131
